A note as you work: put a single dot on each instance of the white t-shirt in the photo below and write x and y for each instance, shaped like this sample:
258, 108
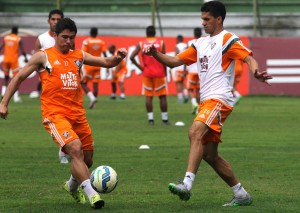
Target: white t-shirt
215, 58
46, 40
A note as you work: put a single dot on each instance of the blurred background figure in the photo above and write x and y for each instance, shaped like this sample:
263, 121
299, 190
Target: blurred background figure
95, 46
12, 44
154, 75
179, 73
237, 78
118, 76
193, 82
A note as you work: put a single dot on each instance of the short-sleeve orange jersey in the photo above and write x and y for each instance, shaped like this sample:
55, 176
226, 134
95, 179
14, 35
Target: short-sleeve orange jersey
61, 93
215, 57
95, 47
11, 48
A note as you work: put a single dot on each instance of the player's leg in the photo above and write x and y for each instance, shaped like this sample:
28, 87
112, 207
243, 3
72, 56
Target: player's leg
121, 79
196, 136
15, 70
225, 171
148, 91
81, 173
6, 68
160, 85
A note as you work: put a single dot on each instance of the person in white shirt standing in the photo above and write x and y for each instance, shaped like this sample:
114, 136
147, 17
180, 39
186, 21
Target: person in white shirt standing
215, 56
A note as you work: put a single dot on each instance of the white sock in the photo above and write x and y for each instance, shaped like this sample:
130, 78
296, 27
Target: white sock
113, 95
91, 96
179, 96
239, 190
236, 94
185, 92
122, 95
164, 116
73, 184
189, 179
194, 102
3, 90
150, 116
88, 189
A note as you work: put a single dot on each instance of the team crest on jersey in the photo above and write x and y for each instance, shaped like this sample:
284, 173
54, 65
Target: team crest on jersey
212, 45
65, 134
78, 63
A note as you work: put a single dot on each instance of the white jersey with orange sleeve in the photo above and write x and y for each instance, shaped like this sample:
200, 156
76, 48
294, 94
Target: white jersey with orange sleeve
46, 40
193, 67
215, 57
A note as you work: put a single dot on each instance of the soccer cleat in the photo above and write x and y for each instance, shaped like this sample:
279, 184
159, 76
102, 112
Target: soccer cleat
239, 201
78, 195
112, 97
97, 202
195, 109
185, 99
93, 103
151, 122
180, 190
166, 123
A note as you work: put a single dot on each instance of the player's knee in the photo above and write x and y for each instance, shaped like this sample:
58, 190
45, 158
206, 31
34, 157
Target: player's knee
211, 159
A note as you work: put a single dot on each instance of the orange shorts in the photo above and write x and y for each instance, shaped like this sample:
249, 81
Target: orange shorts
213, 113
63, 130
193, 81
13, 66
154, 86
91, 74
119, 77
179, 76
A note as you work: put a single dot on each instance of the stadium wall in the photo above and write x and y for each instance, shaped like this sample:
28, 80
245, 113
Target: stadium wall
134, 24
279, 56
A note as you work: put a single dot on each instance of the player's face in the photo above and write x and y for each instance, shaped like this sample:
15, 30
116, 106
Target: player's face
210, 23
65, 41
53, 21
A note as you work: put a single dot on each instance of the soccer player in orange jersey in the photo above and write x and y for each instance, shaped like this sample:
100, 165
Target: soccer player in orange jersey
95, 46
63, 114
12, 44
118, 76
154, 75
215, 56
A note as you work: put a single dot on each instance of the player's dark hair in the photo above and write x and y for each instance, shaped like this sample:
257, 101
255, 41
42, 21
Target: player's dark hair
56, 11
150, 31
94, 32
197, 32
215, 8
14, 30
179, 38
65, 23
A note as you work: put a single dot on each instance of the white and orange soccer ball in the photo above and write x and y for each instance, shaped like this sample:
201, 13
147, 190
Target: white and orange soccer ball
104, 179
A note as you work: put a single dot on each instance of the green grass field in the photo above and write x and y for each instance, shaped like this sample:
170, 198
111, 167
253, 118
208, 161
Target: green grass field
261, 141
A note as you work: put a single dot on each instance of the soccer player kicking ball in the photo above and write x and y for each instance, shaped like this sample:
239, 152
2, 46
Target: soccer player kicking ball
215, 56
63, 114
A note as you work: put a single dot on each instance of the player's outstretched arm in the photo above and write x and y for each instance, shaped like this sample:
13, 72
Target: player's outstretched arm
262, 76
107, 62
170, 61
